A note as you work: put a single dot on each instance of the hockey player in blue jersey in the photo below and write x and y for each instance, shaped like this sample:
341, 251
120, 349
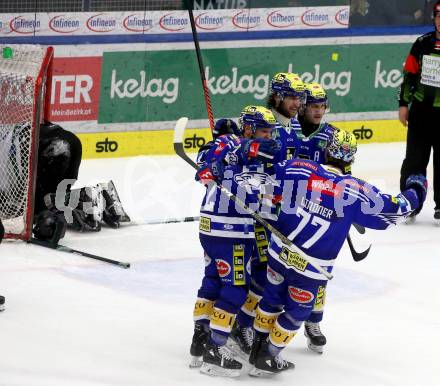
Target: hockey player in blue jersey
319, 205
313, 139
286, 97
315, 132
227, 237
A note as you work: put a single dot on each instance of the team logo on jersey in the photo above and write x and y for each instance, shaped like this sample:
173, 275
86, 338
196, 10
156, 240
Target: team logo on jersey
223, 268
274, 277
252, 179
324, 186
300, 296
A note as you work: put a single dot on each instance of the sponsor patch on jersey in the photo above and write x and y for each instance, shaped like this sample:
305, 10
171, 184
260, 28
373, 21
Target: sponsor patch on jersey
274, 277
293, 259
361, 188
238, 255
320, 299
261, 241
300, 296
304, 164
324, 186
205, 224
223, 268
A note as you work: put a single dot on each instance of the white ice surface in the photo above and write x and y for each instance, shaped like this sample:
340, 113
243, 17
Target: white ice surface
74, 321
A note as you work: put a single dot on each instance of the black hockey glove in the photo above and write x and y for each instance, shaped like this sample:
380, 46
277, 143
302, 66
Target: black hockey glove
49, 226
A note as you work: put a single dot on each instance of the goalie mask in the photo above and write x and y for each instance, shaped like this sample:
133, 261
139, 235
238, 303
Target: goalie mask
342, 146
256, 117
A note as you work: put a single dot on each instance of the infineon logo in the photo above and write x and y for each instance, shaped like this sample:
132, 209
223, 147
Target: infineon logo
134, 23
101, 23
25, 26
170, 22
209, 22
343, 16
315, 18
246, 21
63, 25
278, 20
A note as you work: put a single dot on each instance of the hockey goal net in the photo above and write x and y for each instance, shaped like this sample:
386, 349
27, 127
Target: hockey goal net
24, 74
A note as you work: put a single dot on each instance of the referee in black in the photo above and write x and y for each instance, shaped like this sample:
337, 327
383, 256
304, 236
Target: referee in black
419, 109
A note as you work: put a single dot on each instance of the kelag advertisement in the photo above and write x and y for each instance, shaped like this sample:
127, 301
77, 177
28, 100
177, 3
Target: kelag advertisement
121, 97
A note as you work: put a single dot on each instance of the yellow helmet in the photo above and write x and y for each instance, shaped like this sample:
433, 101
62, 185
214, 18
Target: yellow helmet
342, 145
287, 84
315, 93
258, 117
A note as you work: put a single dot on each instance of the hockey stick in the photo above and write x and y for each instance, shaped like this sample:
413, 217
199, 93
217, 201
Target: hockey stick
357, 256
201, 67
359, 228
167, 220
63, 248
178, 148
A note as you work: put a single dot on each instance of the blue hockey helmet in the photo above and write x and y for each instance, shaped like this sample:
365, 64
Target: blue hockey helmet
342, 145
257, 117
225, 126
287, 84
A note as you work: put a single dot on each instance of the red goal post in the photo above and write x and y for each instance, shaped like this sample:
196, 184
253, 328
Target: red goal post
25, 86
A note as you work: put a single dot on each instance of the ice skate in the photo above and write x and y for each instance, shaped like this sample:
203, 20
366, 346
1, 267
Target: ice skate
315, 339
240, 341
199, 340
219, 362
265, 364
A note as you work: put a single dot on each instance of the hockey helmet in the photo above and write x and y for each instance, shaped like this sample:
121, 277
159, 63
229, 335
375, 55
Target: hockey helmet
225, 126
315, 93
342, 145
257, 117
287, 84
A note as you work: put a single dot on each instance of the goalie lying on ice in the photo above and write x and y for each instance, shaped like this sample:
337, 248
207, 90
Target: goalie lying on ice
56, 204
